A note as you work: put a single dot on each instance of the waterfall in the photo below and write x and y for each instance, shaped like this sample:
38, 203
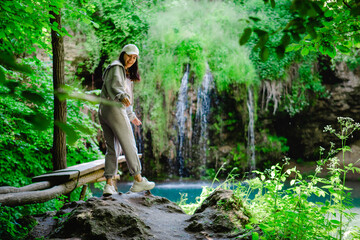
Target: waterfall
181, 119
202, 115
251, 134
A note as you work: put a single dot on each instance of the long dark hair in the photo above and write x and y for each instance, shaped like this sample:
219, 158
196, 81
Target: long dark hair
133, 71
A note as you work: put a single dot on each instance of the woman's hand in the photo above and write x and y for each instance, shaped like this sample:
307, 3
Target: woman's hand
126, 101
136, 121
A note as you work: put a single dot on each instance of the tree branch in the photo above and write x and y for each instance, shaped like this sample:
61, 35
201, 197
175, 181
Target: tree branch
346, 4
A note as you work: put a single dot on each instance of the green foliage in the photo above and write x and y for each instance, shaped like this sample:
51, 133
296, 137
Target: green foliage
238, 160
315, 25
264, 21
288, 211
303, 89
352, 60
16, 222
271, 148
178, 37
26, 37
118, 23
26, 150
206, 191
279, 199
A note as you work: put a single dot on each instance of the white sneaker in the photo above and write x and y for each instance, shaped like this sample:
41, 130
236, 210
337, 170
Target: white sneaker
109, 190
142, 186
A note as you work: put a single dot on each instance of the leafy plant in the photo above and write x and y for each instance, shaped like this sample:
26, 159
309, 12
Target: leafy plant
279, 199
316, 26
287, 210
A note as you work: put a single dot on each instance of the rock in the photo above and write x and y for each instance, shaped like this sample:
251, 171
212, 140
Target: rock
125, 216
103, 219
138, 216
221, 216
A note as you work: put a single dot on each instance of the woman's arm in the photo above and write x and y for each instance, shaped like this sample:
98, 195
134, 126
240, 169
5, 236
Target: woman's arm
115, 85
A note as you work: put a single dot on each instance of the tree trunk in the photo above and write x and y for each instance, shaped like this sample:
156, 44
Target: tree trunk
60, 110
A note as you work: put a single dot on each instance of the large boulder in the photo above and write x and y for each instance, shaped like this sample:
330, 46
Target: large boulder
222, 215
124, 216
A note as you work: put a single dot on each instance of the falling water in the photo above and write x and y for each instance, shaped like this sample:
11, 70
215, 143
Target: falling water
181, 119
202, 114
251, 134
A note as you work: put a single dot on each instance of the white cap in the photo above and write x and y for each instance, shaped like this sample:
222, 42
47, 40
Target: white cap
130, 49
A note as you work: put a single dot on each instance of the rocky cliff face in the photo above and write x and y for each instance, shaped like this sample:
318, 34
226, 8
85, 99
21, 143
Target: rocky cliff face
304, 131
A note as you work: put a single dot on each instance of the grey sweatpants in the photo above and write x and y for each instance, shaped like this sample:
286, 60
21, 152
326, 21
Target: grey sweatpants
117, 131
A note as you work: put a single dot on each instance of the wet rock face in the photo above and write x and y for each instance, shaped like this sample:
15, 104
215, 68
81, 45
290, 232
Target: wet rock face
221, 216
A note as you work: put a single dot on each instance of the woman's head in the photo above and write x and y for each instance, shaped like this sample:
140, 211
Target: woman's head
128, 58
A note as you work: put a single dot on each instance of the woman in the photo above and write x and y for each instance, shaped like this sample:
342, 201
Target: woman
115, 120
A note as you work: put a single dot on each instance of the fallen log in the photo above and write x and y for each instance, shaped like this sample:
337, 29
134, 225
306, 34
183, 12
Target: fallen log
31, 187
61, 182
30, 197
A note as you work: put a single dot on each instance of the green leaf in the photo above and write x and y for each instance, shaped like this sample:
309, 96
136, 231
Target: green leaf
260, 32
38, 120
245, 36
9, 62
33, 97
262, 41
265, 227
83, 128
264, 54
305, 51
254, 19
71, 135
328, 13
65, 32
57, 3
86, 21
29, 10
322, 50
330, 50
255, 235
95, 25
334, 221
249, 226
292, 47
273, 3
55, 24
343, 49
